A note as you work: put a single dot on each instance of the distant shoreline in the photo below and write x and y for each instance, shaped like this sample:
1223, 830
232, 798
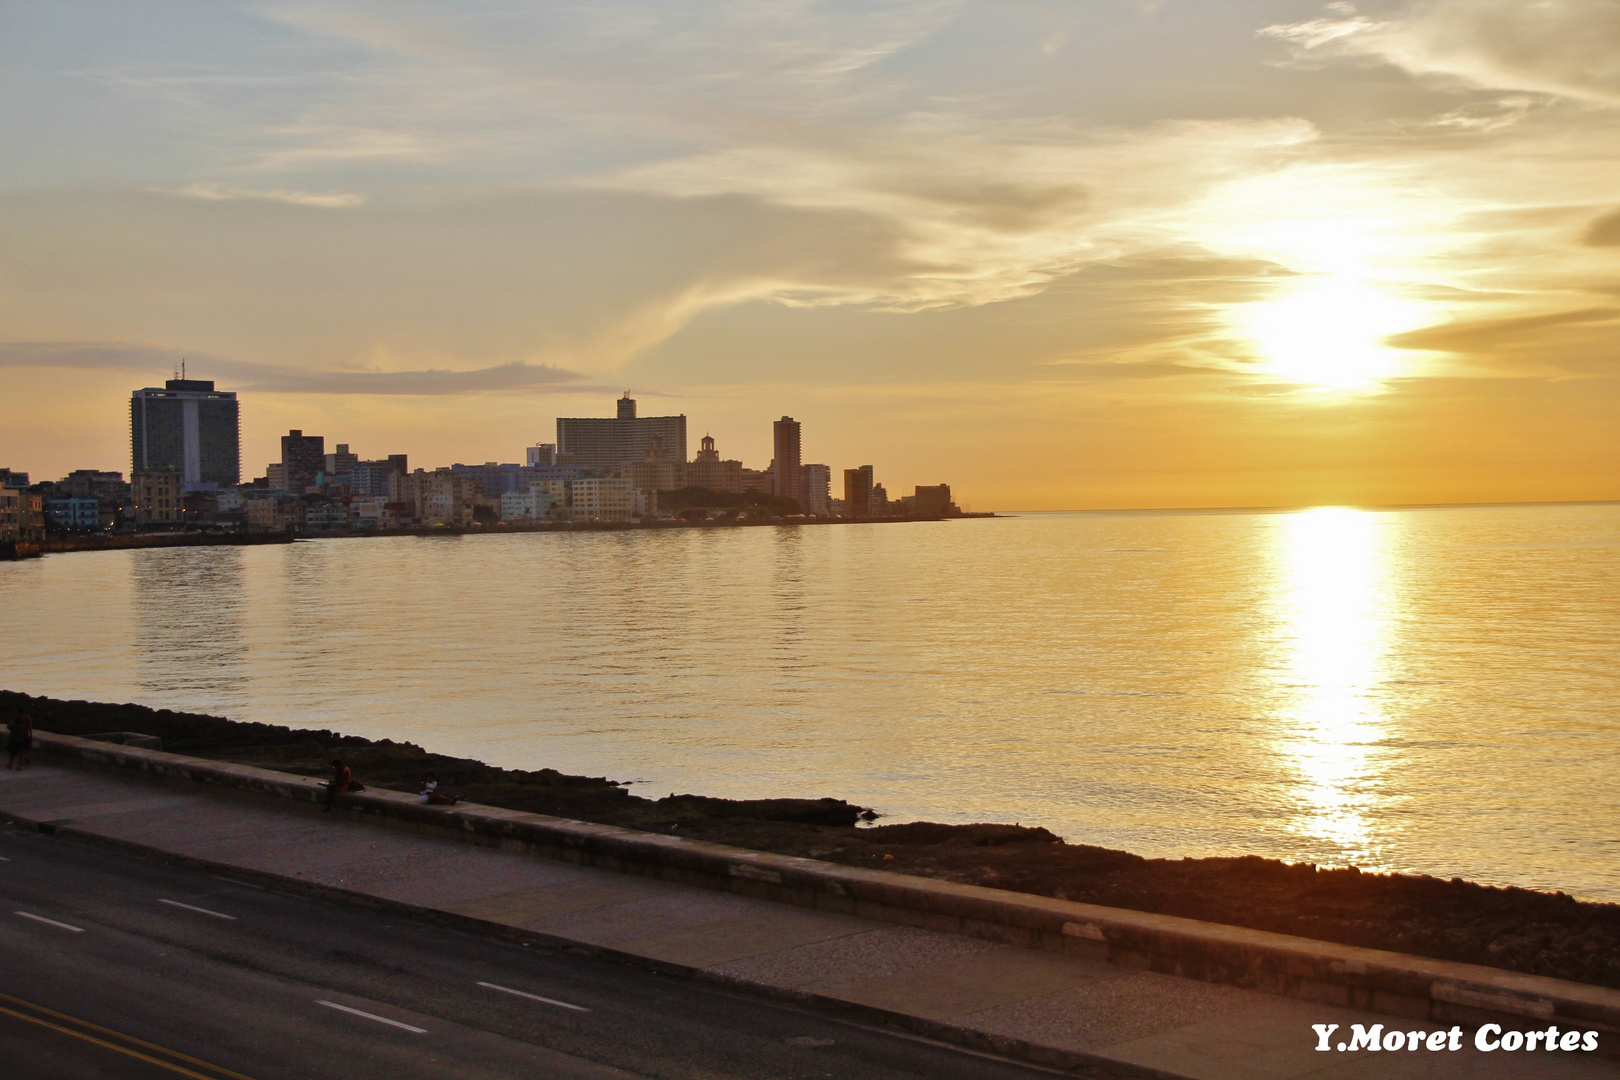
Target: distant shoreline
60, 545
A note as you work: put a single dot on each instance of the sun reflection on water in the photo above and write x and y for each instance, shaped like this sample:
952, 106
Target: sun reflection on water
1334, 616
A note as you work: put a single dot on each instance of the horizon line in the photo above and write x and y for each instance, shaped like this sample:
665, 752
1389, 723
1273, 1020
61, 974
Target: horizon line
1280, 509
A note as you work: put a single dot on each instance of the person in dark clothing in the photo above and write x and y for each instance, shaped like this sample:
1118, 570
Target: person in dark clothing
342, 780
19, 740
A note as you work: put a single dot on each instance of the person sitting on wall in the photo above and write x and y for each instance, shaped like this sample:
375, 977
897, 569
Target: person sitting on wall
19, 740
431, 794
342, 780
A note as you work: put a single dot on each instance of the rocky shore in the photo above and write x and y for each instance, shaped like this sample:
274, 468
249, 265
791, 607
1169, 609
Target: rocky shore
1516, 929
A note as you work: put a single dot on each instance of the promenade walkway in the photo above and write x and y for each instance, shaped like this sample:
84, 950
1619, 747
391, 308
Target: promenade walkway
1139, 1023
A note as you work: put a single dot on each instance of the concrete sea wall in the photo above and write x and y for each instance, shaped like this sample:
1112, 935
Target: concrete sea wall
1396, 984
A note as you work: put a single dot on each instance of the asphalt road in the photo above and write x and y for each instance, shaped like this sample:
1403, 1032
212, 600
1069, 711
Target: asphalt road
112, 966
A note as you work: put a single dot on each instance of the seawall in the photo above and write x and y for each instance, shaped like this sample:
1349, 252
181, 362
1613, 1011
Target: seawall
1394, 984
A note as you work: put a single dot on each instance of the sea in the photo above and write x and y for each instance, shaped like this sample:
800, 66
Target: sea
1422, 690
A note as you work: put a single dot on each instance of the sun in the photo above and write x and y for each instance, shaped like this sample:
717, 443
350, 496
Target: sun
1328, 334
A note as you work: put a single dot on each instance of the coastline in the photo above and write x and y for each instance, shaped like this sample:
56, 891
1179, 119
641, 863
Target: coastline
58, 545
1511, 928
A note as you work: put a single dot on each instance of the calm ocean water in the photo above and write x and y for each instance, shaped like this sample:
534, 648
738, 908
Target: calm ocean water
1422, 690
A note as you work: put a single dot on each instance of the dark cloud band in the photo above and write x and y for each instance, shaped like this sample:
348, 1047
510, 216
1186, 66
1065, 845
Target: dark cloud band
514, 377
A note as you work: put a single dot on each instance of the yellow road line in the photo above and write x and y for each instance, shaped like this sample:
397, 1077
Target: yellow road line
221, 1071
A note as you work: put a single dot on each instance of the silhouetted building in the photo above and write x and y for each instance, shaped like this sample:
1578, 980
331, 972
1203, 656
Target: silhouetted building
858, 492
878, 505
532, 505
93, 482
605, 443
786, 466
340, 466
22, 513
708, 471
189, 427
302, 456
440, 497
598, 498
372, 513
156, 495
80, 513
656, 471
263, 513
107, 488
370, 478
815, 485
493, 479
933, 501
323, 514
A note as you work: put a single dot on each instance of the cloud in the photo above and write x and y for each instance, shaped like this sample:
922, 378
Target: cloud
985, 213
1562, 344
1486, 334
1568, 48
515, 377
1136, 318
1604, 232
221, 193
242, 376
824, 106
580, 280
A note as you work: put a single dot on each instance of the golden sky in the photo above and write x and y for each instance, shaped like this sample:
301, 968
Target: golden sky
1091, 253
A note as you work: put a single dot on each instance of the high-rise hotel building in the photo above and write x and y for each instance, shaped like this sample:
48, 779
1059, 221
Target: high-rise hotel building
603, 443
858, 492
189, 428
787, 481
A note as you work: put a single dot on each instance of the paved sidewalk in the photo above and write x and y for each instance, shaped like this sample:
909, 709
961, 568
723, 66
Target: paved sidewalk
1138, 1021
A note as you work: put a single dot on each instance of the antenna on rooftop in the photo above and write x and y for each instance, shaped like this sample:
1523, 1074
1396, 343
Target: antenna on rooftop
182, 367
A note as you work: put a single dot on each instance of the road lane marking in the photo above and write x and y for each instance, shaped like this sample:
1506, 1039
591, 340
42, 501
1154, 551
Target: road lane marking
123, 1050
198, 910
51, 922
25, 1004
535, 997
103, 1042
372, 1016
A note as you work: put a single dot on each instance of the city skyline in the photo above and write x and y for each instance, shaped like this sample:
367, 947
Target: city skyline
1121, 254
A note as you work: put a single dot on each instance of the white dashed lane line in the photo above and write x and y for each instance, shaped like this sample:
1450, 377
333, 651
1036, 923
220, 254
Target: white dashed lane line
534, 997
50, 922
372, 1016
198, 910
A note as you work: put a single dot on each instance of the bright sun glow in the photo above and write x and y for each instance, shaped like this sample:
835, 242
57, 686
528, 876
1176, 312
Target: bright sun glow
1328, 334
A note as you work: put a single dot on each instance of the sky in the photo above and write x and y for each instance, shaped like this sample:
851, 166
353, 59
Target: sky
1082, 254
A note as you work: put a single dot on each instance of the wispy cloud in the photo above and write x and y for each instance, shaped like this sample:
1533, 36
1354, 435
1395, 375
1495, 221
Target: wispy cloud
983, 216
1562, 47
154, 360
1483, 334
1603, 232
221, 193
